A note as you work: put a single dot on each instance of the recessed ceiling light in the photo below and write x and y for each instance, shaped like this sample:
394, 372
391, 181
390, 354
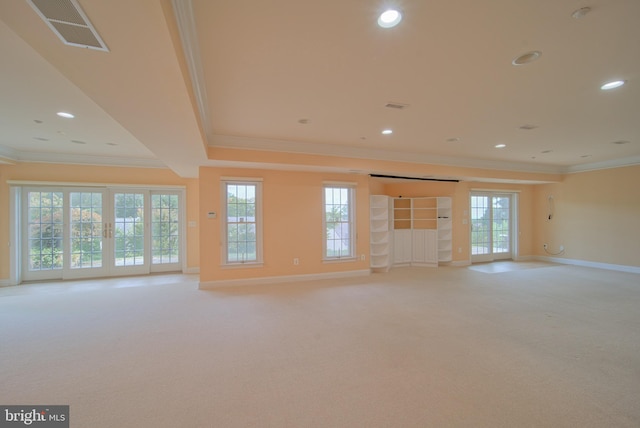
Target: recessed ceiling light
111, 144
546, 151
585, 156
612, 85
527, 58
528, 127
387, 131
621, 142
453, 140
78, 142
500, 146
40, 138
303, 121
38, 121
389, 18
65, 115
398, 106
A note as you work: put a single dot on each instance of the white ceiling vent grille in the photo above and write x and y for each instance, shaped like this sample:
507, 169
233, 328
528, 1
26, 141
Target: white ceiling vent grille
68, 21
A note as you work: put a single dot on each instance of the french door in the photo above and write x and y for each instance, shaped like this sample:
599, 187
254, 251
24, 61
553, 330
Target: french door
93, 232
492, 236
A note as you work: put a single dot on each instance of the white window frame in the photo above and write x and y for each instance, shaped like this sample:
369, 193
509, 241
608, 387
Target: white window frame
257, 182
18, 255
182, 231
351, 188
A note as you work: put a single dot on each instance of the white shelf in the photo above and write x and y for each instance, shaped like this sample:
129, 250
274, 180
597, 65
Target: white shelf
445, 230
419, 216
380, 232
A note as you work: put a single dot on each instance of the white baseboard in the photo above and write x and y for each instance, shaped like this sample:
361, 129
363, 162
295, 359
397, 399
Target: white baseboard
585, 263
208, 285
461, 263
192, 270
526, 259
5, 282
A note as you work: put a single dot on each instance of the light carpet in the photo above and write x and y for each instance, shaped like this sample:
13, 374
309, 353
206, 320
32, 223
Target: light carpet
416, 347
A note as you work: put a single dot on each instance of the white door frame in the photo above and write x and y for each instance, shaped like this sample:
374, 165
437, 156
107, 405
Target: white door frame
18, 262
512, 254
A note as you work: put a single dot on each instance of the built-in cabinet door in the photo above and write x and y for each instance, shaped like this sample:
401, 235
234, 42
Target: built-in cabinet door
425, 246
402, 249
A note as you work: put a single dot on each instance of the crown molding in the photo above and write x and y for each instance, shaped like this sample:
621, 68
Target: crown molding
250, 143
614, 163
8, 155
74, 159
185, 20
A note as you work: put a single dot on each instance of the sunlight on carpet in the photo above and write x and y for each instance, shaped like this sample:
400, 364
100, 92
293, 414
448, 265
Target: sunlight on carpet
508, 266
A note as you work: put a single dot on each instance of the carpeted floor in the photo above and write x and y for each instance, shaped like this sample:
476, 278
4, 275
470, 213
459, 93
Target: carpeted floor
507, 266
554, 346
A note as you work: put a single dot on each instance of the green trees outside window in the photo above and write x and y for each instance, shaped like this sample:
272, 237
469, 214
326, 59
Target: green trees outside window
338, 222
45, 230
165, 228
88, 227
241, 223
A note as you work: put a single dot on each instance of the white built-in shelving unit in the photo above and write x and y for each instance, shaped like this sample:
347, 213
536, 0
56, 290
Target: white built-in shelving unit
422, 231
380, 232
445, 230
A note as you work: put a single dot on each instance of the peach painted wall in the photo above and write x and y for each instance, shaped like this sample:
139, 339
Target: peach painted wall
292, 224
376, 186
596, 217
94, 174
459, 193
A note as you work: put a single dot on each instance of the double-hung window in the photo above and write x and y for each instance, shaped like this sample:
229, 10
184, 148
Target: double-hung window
339, 221
242, 221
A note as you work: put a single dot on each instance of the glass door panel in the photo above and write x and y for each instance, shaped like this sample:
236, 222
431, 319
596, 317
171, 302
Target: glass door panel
491, 224
501, 225
71, 232
86, 225
87, 231
480, 226
129, 233
44, 247
165, 231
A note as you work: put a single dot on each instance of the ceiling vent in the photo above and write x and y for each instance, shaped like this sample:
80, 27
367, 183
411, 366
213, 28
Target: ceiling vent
398, 106
68, 21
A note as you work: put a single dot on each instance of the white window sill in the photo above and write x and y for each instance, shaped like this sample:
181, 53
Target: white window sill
340, 260
246, 265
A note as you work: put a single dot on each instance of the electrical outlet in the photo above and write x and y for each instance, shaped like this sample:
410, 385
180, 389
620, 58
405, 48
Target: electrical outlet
363, 257
296, 261
545, 246
561, 247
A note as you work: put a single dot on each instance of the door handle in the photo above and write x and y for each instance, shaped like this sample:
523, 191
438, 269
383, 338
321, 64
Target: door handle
107, 232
